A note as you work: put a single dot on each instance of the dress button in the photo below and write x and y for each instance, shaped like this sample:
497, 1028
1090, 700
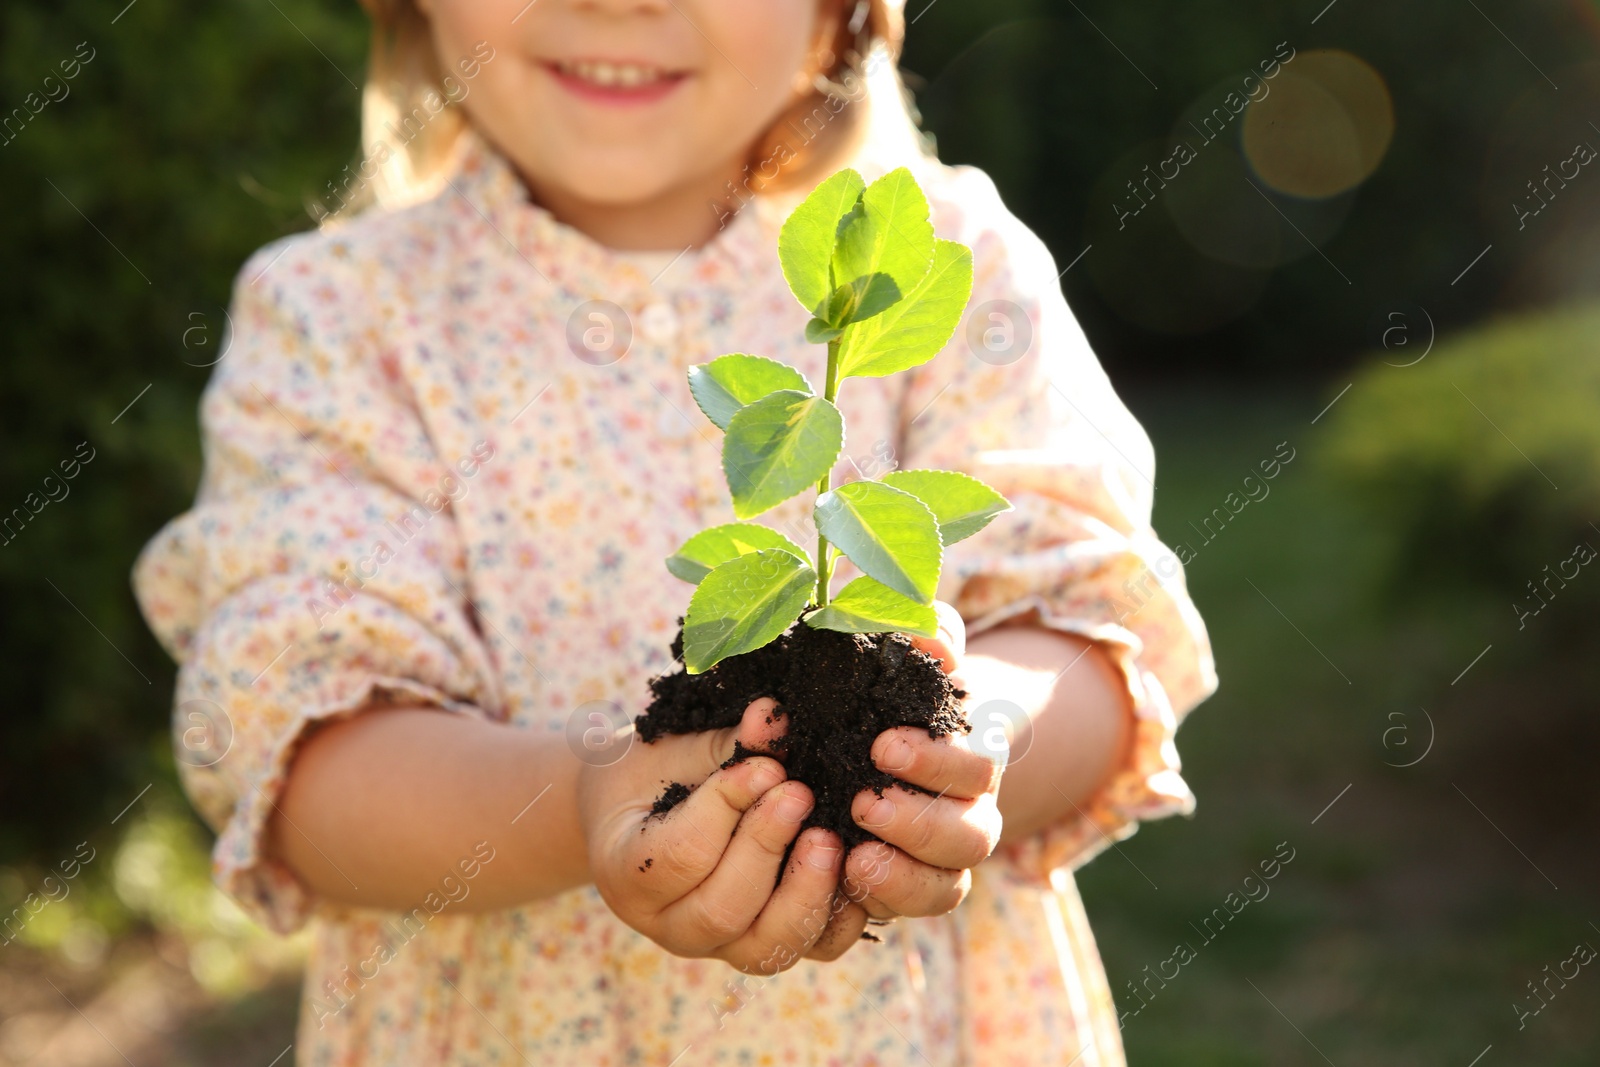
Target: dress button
659, 323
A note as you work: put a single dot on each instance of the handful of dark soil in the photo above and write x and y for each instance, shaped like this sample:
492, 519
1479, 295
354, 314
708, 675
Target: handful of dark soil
839, 691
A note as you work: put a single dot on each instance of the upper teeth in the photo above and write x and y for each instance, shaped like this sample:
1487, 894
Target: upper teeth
626, 75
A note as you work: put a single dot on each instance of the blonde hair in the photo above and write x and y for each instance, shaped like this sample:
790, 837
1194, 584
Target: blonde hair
857, 107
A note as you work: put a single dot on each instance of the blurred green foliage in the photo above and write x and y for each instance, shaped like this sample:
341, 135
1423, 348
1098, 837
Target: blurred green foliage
198, 132
1483, 459
192, 136
1428, 803
1064, 102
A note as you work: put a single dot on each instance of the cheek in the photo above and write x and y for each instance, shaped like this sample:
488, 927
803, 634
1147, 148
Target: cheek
751, 76
769, 43
461, 27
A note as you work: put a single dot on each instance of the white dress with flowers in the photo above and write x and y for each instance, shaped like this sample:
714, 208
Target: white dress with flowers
416, 492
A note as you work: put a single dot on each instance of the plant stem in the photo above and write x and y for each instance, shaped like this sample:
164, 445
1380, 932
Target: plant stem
830, 392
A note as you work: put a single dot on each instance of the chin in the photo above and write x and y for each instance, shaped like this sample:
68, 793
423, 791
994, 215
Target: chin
616, 180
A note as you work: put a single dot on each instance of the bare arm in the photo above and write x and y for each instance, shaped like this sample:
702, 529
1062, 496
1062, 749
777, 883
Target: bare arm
379, 808
1082, 719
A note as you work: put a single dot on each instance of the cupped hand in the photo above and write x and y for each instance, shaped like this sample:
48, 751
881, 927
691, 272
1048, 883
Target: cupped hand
928, 843
703, 879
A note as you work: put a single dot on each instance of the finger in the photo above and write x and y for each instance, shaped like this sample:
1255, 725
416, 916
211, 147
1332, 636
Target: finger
693, 757
680, 849
722, 908
940, 831
950, 642
902, 884
797, 913
764, 728
945, 765
843, 932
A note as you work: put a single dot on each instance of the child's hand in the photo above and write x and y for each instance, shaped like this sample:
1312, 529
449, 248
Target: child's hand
929, 843
699, 881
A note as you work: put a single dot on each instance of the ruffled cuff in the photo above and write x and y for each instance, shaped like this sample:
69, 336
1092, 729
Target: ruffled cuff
264, 888
266, 723
1149, 784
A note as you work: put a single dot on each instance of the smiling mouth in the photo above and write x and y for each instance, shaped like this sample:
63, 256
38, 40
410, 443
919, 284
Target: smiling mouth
615, 81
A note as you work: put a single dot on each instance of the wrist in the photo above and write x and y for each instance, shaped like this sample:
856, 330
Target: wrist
544, 823
1077, 720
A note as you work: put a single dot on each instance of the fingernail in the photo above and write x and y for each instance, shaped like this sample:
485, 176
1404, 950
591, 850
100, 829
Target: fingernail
793, 807
764, 779
896, 755
822, 857
878, 813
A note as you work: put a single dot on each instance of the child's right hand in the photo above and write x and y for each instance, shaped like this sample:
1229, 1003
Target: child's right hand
700, 880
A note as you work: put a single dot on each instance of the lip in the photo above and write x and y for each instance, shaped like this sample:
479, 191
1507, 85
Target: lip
616, 95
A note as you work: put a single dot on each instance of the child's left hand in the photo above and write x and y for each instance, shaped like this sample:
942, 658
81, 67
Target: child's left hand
922, 865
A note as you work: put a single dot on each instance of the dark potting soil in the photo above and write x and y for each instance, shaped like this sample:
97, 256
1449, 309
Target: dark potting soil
839, 691
675, 793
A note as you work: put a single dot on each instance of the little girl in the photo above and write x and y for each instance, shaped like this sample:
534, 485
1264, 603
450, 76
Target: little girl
446, 454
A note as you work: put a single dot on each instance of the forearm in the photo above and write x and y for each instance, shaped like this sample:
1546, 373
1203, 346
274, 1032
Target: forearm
1081, 713
380, 807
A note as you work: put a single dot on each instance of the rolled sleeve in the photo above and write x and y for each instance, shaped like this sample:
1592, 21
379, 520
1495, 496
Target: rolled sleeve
318, 575
1035, 416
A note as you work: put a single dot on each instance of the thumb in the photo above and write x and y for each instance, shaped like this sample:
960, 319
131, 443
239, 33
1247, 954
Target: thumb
760, 730
951, 642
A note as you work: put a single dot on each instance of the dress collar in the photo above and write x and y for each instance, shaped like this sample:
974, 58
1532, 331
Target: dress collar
574, 260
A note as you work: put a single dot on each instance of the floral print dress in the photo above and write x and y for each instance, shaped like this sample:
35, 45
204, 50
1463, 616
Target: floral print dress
446, 452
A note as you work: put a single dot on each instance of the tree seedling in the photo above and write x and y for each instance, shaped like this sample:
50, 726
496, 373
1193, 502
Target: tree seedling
885, 295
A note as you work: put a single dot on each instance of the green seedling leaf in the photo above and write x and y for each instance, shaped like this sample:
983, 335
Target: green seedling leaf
960, 503
885, 246
867, 606
820, 333
777, 446
708, 549
729, 382
869, 295
806, 242
888, 533
743, 604
914, 330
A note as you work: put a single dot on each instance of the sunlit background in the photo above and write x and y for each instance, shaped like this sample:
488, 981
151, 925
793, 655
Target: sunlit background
1382, 260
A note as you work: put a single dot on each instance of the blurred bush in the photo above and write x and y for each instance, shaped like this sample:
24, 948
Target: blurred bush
198, 132
1483, 459
191, 135
1480, 468
154, 877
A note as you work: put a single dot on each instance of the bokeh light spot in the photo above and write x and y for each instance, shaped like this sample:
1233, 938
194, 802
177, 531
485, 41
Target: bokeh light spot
1324, 128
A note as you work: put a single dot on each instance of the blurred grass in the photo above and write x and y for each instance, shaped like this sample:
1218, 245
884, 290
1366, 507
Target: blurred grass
1406, 926
1402, 931
168, 967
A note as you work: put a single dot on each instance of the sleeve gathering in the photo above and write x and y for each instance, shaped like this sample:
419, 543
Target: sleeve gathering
319, 573
1019, 400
